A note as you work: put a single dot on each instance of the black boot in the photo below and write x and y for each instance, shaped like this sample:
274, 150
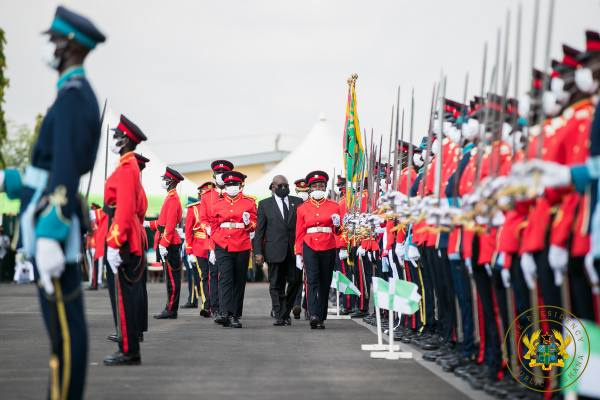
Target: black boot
235, 322
119, 358
166, 315
189, 305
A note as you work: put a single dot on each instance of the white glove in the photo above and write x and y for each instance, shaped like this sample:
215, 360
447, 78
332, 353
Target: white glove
146, 224
163, 252
360, 251
299, 262
529, 270
379, 230
92, 215
399, 250
191, 258
114, 258
505, 275
370, 255
343, 254
591, 272
413, 253
488, 269
50, 261
469, 265
246, 217
212, 258
558, 258
207, 229
553, 174
335, 218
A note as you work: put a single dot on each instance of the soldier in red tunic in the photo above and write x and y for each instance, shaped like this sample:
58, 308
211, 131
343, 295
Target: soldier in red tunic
126, 200
318, 221
197, 248
209, 198
232, 220
167, 242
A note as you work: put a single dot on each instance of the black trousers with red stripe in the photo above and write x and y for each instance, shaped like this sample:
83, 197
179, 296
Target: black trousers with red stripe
319, 272
233, 266
172, 270
129, 289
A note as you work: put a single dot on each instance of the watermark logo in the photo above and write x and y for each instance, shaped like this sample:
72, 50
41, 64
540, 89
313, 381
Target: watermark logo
549, 348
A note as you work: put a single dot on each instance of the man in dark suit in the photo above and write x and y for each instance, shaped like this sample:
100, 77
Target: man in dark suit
274, 243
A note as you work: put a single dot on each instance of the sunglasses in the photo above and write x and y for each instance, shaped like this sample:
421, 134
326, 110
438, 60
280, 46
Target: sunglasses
282, 186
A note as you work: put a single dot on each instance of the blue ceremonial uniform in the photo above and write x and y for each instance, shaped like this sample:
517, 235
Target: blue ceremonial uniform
50, 208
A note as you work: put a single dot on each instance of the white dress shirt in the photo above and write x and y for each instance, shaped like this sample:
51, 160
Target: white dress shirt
279, 202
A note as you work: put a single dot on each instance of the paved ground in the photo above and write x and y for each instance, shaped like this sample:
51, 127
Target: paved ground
191, 356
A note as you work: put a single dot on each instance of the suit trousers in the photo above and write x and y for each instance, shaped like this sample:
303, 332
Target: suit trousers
283, 296
129, 291
319, 272
64, 319
233, 266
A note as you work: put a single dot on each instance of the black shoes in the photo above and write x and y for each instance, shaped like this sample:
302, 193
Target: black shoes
166, 315
359, 314
119, 358
314, 321
189, 305
113, 338
279, 322
296, 312
321, 325
235, 322
205, 313
220, 319
288, 321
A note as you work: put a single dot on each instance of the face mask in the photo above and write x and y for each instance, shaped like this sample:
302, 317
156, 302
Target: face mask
232, 191
470, 129
303, 195
317, 194
165, 185
506, 130
584, 79
551, 106
116, 145
436, 147
47, 53
557, 86
282, 192
524, 106
219, 179
418, 160
453, 134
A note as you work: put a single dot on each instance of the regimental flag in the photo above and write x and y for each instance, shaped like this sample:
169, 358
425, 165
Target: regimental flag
342, 284
396, 295
354, 152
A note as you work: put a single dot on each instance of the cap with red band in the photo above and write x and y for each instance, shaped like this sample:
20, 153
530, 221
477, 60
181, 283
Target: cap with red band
233, 177
206, 185
300, 184
131, 130
172, 174
316, 176
570, 56
221, 165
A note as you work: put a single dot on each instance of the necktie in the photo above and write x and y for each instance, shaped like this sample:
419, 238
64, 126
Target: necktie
286, 210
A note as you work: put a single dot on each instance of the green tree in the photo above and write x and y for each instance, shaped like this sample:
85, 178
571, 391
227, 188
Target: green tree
16, 148
3, 86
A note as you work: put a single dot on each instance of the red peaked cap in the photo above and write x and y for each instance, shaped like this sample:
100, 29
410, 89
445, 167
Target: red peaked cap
222, 165
131, 130
316, 176
206, 185
233, 177
592, 46
570, 56
172, 174
300, 183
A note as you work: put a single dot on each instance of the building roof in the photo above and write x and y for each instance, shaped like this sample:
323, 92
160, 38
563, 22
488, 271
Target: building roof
238, 161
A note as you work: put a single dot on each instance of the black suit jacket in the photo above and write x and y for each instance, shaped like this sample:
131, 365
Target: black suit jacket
274, 237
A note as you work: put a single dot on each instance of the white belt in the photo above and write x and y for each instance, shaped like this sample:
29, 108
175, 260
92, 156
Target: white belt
319, 229
35, 178
232, 225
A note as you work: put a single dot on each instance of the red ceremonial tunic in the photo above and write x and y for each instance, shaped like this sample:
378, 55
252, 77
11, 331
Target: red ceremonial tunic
168, 219
196, 239
124, 193
313, 213
229, 210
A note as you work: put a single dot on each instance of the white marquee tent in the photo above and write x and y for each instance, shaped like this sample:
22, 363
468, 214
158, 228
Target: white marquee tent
321, 149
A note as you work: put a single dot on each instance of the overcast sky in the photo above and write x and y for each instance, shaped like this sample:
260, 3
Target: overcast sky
216, 78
